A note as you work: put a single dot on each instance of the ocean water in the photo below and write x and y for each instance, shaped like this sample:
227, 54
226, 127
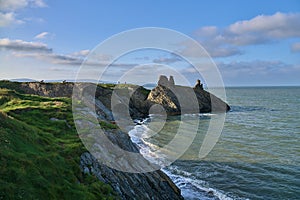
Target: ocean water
256, 157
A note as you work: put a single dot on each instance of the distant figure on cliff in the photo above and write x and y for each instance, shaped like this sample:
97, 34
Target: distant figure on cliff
198, 85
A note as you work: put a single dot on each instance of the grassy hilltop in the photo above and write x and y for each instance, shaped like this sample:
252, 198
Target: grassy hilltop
40, 150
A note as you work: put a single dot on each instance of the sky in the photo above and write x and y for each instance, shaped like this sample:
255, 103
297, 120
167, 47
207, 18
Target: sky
251, 42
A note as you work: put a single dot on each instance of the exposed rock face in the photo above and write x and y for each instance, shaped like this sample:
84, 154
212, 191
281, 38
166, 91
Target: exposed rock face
134, 96
152, 185
48, 89
178, 99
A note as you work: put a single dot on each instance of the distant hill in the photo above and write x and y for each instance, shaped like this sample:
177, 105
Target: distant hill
23, 80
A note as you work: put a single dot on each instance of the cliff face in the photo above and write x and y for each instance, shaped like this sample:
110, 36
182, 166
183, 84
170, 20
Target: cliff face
48, 89
132, 95
152, 185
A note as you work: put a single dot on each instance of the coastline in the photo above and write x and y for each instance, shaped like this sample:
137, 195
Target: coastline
156, 181
155, 185
190, 188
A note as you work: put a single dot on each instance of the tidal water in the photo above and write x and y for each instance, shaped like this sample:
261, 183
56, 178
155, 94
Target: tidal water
256, 157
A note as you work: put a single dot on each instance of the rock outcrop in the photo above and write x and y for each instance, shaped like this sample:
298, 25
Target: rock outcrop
180, 99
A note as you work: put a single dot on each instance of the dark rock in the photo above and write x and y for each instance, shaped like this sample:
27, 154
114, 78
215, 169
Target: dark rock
180, 99
152, 185
171, 81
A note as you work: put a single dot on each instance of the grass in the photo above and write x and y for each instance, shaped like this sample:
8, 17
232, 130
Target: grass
40, 150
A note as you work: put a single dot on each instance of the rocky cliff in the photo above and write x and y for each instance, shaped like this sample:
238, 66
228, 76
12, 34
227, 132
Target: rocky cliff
151, 185
173, 98
177, 99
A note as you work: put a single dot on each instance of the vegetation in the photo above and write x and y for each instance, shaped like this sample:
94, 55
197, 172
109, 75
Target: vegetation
40, 150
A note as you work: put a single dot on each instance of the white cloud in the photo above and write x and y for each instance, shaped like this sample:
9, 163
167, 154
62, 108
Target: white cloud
213, 48
207, 31
279, 25
41, 51
295, 47
13, 5
256, 67
167, 60
8, 10
223, 51
20, 45
8, 18
39, 3
42, 35
81, 53
259, 72
262, 29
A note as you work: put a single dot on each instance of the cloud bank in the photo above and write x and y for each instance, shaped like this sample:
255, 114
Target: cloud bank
262, 29
9, 8
20, 45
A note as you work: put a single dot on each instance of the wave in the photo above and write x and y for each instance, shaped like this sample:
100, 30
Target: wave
190, 187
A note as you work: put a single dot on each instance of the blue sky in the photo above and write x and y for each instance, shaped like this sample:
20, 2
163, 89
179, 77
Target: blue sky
252, 42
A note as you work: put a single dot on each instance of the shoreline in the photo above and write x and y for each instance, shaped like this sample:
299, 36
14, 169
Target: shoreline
190, 188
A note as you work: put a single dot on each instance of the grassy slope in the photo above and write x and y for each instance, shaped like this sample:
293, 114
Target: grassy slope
39, 157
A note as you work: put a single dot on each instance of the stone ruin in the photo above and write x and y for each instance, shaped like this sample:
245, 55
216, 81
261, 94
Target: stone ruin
163, 81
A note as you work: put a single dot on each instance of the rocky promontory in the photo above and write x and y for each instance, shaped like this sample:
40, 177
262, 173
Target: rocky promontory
176, 98
108, 97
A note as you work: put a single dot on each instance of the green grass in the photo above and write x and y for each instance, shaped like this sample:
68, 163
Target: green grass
10, 85
39, 157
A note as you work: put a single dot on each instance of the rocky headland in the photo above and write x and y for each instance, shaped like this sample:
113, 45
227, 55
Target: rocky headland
153, 185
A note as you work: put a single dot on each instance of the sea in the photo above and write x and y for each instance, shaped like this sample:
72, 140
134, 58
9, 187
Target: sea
257, 155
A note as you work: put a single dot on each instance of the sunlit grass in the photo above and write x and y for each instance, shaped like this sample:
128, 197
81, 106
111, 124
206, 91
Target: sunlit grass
40, 151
